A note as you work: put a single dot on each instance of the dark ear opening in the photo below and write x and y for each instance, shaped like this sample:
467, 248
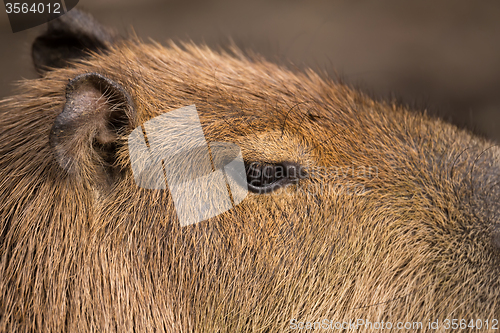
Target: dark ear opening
70, 36
86, 135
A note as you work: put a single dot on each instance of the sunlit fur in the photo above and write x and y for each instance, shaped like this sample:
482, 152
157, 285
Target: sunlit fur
419, 242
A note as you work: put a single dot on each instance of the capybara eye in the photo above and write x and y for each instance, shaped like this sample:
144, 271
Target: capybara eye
265, 178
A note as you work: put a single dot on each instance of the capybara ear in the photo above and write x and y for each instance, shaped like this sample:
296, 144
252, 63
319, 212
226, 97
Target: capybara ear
70, 36
85, 136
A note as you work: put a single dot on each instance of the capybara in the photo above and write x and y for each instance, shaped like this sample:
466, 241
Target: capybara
360, 214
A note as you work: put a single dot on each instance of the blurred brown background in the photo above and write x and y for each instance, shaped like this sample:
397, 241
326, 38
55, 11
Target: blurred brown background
443, 56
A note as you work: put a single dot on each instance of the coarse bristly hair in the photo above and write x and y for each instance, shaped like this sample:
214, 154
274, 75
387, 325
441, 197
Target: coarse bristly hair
83, 248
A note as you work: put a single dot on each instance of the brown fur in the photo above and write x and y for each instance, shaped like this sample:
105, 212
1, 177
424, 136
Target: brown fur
418, 243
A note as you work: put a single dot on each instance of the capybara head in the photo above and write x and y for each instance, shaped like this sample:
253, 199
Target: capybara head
358, 211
